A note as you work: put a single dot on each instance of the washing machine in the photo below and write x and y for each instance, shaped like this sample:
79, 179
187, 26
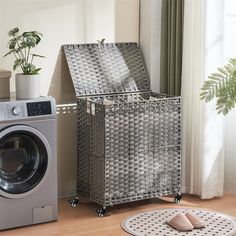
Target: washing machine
28, 162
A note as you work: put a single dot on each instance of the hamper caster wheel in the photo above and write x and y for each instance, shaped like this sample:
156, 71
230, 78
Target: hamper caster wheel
73, 201
101, 212
178, 198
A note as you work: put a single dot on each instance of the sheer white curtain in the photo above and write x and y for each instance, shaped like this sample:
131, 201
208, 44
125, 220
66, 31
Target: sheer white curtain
203, 162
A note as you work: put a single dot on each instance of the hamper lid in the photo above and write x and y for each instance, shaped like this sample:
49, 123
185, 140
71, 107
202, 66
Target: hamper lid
5, 74
109, 68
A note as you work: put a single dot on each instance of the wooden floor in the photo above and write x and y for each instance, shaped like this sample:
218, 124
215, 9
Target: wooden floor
83, 221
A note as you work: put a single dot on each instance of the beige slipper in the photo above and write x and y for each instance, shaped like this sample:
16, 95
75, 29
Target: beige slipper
181, 223
195, 221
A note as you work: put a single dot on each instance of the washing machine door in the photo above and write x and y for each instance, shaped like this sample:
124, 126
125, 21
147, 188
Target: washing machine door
25, 157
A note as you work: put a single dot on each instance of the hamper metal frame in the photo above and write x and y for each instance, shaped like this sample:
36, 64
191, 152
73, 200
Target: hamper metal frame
129, 138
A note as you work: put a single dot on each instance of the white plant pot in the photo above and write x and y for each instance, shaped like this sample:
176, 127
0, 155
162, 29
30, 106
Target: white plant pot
27, 86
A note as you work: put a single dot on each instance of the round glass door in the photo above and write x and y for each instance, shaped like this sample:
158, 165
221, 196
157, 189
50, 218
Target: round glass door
23, 161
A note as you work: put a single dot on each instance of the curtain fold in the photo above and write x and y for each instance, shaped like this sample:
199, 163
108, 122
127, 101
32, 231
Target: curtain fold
203, 156
171, 46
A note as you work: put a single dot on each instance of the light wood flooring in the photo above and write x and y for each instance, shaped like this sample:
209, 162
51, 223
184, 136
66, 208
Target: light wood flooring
83, 221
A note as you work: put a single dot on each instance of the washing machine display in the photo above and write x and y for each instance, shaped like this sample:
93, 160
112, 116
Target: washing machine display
39, 108
23, 161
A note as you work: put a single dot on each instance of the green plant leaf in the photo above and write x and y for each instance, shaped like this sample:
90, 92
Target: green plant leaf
222, 86
13, 32
37, 38
17, 63
217, 76
33, 34
36, 71
12, 45
30, 42
223, 71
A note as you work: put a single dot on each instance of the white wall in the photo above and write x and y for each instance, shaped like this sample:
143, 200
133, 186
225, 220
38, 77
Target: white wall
230, 124
67, 21
63, 22
150, 38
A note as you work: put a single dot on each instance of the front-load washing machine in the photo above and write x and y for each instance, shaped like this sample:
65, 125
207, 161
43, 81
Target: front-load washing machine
28, 162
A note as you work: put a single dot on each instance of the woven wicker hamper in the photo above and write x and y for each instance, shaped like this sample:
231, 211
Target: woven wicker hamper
128, 137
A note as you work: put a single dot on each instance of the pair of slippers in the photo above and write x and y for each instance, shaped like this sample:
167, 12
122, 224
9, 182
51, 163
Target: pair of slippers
186, 222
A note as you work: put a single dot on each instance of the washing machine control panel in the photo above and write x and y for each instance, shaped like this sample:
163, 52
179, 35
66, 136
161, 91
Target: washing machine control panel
39, 108
43, 108
16, 111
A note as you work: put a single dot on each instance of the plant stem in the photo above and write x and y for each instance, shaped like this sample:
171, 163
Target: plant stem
27, 59
32, 58
25, 52
20, 52
15, 56
20, 64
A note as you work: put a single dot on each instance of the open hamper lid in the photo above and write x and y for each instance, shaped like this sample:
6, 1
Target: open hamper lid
111, 68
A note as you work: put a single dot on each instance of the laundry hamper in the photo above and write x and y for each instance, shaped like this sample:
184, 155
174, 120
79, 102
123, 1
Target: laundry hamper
129, 138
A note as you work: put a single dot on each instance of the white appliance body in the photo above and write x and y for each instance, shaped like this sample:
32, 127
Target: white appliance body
28, 162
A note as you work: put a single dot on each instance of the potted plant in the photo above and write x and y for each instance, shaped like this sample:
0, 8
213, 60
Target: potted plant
20, 46
222, 86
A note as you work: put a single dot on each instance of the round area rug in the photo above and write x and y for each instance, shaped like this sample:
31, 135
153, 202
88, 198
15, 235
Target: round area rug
154, 223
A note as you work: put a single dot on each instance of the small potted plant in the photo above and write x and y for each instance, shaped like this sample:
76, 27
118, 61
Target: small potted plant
20, 46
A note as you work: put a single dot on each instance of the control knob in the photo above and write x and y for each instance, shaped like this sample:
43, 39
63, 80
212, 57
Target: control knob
16, 111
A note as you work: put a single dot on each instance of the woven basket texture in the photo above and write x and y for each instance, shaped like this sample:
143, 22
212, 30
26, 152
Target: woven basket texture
129, 138
106, 68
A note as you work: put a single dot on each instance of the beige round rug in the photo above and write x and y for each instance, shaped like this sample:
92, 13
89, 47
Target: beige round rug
154, 223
